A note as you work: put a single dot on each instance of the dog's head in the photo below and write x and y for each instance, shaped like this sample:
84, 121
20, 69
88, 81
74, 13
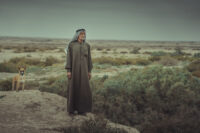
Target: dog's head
22, 70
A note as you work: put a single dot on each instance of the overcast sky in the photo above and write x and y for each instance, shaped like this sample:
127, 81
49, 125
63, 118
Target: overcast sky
170, 20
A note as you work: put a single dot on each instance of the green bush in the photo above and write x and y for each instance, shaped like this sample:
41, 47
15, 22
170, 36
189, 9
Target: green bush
135, 50
158, 53
154, 100
183, 57
194, 68
178, 51
154, 58
168, 61
12, 64
121, 61
57, 85
50, 61
197, 55
6, 85
8, 67
141, 61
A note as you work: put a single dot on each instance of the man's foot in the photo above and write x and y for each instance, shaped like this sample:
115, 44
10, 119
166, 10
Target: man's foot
71, 113
82, 113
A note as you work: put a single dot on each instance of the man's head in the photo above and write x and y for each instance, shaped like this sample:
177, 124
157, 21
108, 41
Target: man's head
81, 35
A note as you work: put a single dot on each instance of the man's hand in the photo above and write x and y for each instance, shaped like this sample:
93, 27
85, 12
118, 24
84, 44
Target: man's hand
89, 76
69, 75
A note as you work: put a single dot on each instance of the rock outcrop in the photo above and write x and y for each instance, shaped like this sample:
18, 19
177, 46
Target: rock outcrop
32, 111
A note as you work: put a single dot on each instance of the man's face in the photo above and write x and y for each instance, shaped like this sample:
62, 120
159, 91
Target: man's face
81, 36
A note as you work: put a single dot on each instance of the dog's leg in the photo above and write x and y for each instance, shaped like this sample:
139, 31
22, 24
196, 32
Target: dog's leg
13, 84
23, 86
17, 87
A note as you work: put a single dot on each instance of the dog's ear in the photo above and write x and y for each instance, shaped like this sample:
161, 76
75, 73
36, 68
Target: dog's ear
24, 67
19, 67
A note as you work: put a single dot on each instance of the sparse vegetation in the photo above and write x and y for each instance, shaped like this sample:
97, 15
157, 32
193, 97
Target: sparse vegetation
6, 85
8, 67
194, 68
123, 52
121, 61
12, 64
178, 51
57, 85
197, 55
168, 61
158, 53
99, 49
135, 50
154, 58
152, 99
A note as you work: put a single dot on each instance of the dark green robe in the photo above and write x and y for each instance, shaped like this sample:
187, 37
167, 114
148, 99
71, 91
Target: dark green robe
79, 63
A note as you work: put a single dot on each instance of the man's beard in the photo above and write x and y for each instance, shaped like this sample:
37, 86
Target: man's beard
83, 38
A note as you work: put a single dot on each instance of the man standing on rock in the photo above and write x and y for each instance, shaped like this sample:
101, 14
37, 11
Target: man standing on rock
79, 66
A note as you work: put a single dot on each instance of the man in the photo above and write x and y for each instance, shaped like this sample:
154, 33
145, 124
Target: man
79, 66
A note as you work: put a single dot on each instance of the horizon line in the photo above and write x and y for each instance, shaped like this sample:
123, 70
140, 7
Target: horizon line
40, 37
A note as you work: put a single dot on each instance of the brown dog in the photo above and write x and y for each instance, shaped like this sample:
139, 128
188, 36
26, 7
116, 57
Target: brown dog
19, 80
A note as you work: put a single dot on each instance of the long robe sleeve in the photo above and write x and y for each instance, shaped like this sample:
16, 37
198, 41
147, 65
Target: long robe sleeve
90, 65
68, 65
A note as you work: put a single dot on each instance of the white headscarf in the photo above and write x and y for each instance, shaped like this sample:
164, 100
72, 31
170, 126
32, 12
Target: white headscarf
75, 38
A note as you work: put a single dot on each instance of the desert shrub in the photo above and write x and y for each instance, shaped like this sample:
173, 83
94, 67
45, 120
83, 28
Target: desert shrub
6, 85
99, 49
96, 125
8, 67
28, 55
8, 47
141, 61
154, 100
112, 61
31, 85
123, 52
194, 68
50, 61
121, 61
168, 61
183, 58
135, 50
108, 49
178, 51
196, 55
12, 64
158, 53
57, 85
26, 61
104, 52
22, 49
147, 52
154, 58
25, 49
33, 69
